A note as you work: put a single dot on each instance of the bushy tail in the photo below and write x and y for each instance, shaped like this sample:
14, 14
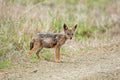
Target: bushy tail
31, 45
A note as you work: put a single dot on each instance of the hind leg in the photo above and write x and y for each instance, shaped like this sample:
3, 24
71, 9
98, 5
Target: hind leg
38, 51
35, 48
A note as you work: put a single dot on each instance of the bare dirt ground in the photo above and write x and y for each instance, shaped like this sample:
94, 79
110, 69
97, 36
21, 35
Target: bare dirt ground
100, 63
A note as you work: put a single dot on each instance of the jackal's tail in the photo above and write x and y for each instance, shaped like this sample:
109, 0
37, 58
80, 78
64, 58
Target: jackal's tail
31, 45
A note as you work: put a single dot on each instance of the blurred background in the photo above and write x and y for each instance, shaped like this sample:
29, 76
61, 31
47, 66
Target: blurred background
98, 24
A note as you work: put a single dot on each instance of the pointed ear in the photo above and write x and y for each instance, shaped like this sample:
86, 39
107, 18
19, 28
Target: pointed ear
74, 28
65, 27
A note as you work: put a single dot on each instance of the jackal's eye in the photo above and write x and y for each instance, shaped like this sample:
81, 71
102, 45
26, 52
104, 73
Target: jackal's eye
68, 33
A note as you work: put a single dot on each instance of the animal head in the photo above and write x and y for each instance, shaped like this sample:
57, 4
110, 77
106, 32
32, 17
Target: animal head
69, 33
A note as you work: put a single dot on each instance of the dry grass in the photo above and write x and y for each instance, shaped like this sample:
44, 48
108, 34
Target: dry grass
98, 22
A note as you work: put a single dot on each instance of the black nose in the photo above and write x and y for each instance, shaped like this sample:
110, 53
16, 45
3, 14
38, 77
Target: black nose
71, 38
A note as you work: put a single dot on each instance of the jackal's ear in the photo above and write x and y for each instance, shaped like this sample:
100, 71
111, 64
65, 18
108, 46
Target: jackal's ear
74, 28
65, 26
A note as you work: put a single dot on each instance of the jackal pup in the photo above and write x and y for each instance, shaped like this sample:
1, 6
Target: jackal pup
54, 40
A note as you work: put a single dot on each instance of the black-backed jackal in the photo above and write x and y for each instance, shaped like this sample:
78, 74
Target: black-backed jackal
54, 40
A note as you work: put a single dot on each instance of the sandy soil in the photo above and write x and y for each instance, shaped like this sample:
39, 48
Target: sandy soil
101, 63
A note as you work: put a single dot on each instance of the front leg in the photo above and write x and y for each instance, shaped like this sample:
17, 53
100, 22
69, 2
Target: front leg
57, 54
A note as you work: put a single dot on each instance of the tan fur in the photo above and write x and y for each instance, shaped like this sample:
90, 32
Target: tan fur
54, 40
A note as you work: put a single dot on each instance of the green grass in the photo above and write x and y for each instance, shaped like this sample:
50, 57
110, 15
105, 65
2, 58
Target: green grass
5, 64
21, 19
56, 25
45, 54
98, 3
34, 60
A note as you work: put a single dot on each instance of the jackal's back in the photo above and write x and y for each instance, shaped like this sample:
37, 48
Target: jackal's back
49, 40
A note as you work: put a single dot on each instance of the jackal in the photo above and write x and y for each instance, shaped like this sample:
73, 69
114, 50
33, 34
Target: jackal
51, 40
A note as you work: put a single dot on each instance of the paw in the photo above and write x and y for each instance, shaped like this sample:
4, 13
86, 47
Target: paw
58, 61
